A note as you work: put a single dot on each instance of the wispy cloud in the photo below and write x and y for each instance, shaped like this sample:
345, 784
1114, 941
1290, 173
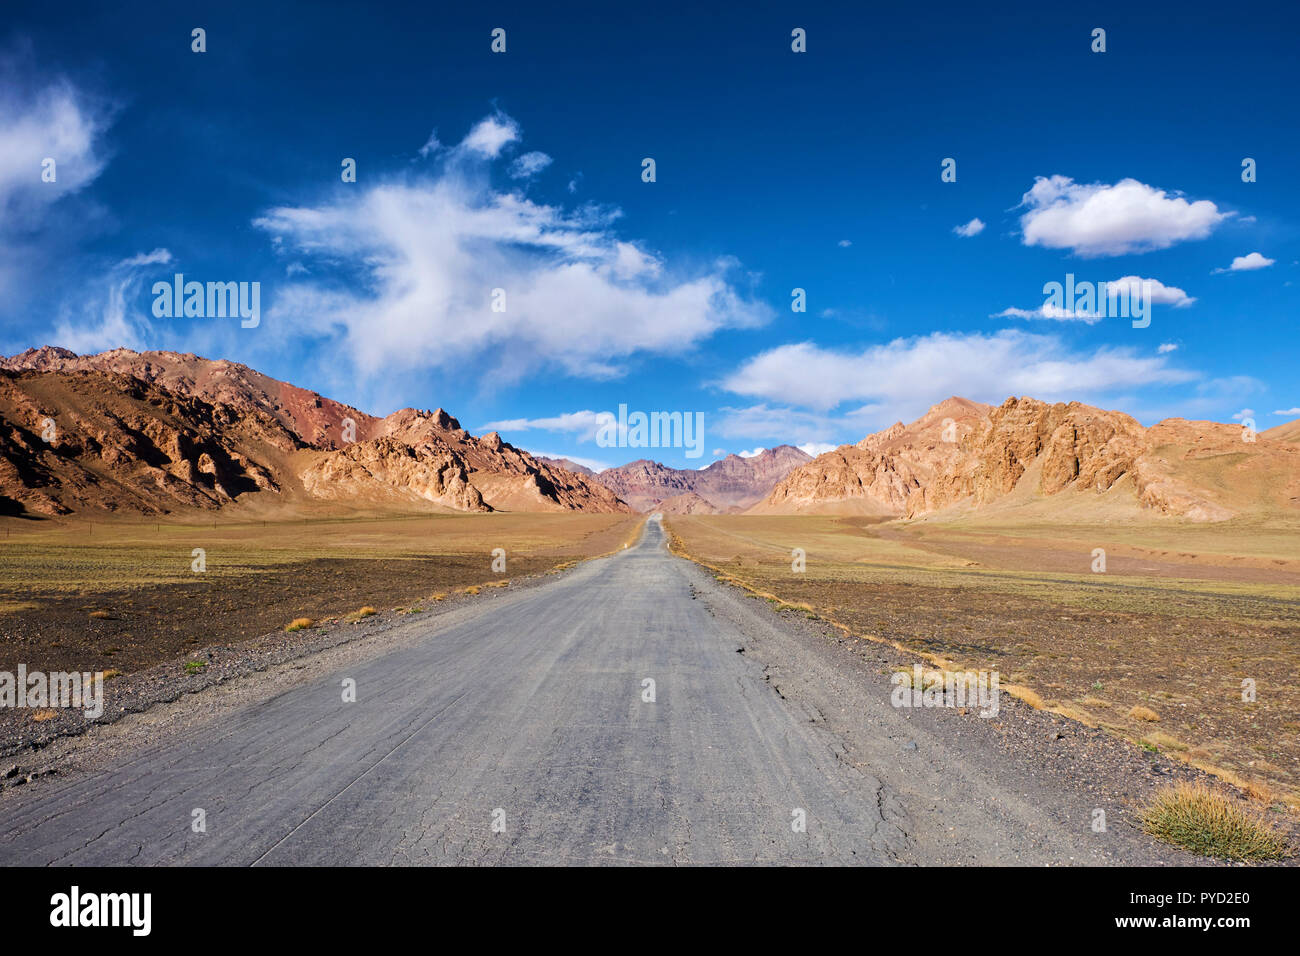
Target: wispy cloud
433, 271
912, 373
972, 228
106, 315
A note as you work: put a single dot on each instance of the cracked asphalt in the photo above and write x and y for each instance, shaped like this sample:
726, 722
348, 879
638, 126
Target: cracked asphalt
521, 733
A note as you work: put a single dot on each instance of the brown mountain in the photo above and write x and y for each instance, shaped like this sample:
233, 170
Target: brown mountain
567, 465
1289, 432
731, 484
1028, 455
687, 504
878, 474
159, 431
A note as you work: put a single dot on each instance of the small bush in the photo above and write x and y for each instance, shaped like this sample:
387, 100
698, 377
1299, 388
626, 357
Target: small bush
101, 615
1196, 818
193, 667
1143, 713
44, 714
300, 624
367, 611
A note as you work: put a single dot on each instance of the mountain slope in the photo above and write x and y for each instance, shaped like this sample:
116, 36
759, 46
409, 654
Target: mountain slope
1028, 454
158, 431
878, 474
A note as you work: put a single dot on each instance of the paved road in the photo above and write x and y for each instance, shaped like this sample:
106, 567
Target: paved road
520, 733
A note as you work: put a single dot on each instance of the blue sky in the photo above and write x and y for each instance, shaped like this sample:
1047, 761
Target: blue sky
775, 170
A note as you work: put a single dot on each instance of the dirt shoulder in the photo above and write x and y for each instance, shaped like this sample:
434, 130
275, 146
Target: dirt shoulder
1067, 768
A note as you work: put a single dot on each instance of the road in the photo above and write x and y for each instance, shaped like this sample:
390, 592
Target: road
525, 732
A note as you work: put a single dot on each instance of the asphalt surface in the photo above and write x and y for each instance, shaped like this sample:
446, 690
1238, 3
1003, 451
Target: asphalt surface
521, 733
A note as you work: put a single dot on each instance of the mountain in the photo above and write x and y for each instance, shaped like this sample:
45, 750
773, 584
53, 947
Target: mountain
878, 474
154, 432
567, 465
1289, 432
1027, 454
730, 484
688, 504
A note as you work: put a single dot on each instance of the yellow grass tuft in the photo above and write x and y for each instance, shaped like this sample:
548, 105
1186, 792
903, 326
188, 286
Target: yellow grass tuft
1025, 694
1164, 742
300, 624
1197, 818
110, 673
438, 597
1143, 713
101, 615
367, 611
44, 714
472, 589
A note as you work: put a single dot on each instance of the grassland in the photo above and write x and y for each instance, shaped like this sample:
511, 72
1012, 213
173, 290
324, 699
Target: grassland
125, 593
1181, 619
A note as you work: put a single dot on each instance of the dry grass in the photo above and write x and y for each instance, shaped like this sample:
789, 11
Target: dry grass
366, 611
102, 615
1163, 741
1025, 694
43, 714
110, 673
472, 589
438, 597
1184, 615
300, 624
1198, 819
1138, 712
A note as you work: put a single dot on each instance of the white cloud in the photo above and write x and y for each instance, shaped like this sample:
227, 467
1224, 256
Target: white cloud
1130, 287
1288, 411
908, 374
58, 122
1097, 219
1243, 414
1248, 262
529, 165
815, 448
584, 424
44, 117
491, 135
972, 228
1155, 290
403, 274
1045, 311
431, 145
1166, 348
845, 243
754, 453
159, 257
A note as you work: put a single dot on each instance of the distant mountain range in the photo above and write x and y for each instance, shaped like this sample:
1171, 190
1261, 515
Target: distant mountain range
158, 432
731, 484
